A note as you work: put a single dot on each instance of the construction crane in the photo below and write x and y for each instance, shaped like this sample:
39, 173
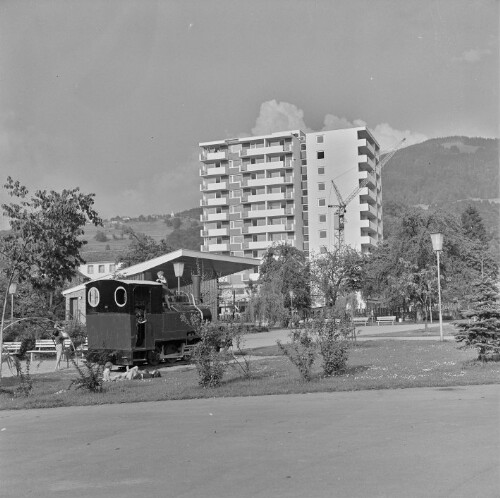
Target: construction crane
340, 207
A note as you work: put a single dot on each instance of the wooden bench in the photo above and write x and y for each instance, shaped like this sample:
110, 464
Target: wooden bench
47, 346
386, 319
11, 347
360, 319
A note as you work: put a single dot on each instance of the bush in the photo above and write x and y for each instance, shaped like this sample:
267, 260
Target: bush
89, 376
333, 343
301, 351
211, 355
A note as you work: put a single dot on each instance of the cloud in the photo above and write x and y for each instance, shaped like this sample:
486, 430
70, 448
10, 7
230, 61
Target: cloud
473, 55
387, 136
332, 122
278, 116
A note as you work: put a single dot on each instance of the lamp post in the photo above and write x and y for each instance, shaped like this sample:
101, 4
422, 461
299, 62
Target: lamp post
178, 270
12, 291
437, 246
291, 300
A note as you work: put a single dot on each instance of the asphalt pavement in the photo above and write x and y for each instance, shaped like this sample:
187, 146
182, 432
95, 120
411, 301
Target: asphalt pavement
429, 442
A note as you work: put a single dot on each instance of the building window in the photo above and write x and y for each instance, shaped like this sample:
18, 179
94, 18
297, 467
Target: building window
320, 154
321, 171
319, 139
322, 234
90, 269
321, 186
101, 269
321, 202
112, 267
322, 218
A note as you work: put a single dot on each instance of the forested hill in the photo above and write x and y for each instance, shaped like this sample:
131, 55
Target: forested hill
443, 170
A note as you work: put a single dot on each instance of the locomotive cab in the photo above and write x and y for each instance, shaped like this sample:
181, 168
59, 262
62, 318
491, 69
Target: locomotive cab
130, 321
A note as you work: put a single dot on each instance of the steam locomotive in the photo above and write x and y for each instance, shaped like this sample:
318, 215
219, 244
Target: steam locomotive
135, 321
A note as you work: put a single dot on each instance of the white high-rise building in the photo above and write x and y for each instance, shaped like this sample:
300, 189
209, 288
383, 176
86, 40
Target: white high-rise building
257, 191
346, 158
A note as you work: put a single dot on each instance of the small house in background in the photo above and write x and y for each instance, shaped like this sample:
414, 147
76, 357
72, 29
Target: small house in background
208, 267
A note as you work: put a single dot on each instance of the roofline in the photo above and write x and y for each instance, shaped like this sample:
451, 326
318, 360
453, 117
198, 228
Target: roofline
165, 258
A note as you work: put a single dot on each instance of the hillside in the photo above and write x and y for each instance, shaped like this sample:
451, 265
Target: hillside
107, 242
443, 170
446, 173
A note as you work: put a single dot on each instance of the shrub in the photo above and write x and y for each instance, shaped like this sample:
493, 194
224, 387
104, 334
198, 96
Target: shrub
89, 376
333, 343
211, 355
301, 351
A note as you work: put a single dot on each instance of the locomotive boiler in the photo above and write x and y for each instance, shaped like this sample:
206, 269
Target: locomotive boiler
135, 321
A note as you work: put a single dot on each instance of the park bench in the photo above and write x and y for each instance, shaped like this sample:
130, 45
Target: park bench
360, 319
11, 347
47, 346
386, 319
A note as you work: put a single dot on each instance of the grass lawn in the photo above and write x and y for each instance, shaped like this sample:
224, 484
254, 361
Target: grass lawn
378, 364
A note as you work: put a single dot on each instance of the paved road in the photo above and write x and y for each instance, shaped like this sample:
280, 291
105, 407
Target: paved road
399, 443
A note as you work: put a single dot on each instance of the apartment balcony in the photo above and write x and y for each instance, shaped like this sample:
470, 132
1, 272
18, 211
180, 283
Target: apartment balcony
207, 156
372, 182
265, 166
266, 197
366, 148
218, 247
215, 232
275, 149
210, 187
261, 244
368, 210
367, 195
217, 201
366, 240
262, 213
220, 171
369, 226
366, 163
215, 217
260, 182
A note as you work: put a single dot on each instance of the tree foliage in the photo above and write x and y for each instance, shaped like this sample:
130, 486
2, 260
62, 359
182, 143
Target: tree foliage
482, 331
406, 258
43, 246
336, 273
285, 269
142, 248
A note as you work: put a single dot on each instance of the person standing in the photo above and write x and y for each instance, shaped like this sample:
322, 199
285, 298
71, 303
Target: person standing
58, 338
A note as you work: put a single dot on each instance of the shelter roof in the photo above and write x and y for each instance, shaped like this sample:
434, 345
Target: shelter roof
195, 262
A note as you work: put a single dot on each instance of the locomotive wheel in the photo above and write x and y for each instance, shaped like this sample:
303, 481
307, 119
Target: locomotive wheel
153, 357
170, 349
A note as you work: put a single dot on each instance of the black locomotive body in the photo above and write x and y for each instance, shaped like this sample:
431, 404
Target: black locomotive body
135, 320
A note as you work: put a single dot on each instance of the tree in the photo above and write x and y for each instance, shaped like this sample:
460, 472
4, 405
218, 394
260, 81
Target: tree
410, 247
336, 273
482, 331
100, 236
285, 268
142, 248
473, 225
43, 245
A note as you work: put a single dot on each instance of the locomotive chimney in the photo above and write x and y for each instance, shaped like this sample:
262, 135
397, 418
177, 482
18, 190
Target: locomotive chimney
196, 287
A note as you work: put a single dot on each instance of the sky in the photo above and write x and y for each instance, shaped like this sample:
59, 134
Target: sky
114, 96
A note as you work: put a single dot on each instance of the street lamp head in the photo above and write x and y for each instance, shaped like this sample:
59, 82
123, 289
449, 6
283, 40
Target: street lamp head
291, 294
178, 269
437, 241
12, 288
